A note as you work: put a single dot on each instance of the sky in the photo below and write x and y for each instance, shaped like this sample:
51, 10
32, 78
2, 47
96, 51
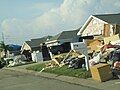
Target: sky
21, 20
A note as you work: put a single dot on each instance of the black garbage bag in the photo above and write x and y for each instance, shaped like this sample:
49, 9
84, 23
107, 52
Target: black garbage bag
114, 55
76, 63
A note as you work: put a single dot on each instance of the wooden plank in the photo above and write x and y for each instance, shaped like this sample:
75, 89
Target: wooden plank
106, 31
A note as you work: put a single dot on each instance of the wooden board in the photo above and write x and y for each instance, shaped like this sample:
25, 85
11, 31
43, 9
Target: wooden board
94, 45
106, 31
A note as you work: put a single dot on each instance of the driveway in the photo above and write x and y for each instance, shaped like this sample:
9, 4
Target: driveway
13, 80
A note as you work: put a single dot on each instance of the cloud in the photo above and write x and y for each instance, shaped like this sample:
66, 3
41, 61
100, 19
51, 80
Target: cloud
117, 4
43, 6
71, 14
15, 30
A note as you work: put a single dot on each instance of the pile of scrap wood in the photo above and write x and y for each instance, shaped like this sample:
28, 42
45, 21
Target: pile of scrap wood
73, 59
54, 62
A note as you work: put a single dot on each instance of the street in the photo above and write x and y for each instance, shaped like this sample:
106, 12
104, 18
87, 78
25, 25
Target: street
11, 80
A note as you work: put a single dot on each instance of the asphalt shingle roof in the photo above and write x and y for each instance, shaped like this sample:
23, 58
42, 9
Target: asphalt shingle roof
110, 18
65, 35
38, 41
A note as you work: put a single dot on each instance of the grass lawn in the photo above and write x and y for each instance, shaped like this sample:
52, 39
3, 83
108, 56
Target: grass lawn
80, 73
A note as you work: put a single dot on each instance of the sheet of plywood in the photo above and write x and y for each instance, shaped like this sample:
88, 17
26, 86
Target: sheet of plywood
111, 38
94, 45
106, 31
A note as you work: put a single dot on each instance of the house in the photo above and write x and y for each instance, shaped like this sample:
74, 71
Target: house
101, 25
34, 45
98, 27
60, 43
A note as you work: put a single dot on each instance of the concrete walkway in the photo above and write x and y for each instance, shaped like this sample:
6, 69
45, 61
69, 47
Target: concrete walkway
108, 85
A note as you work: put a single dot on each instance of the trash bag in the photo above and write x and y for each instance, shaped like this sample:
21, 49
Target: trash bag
76, 63
114, 55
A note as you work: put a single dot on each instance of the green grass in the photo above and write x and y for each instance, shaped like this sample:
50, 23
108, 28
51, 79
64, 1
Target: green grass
80, 73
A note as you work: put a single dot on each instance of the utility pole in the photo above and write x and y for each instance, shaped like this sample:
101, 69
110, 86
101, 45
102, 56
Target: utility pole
3, 37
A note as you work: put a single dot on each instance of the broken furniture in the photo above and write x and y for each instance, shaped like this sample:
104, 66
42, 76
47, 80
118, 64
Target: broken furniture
101, 72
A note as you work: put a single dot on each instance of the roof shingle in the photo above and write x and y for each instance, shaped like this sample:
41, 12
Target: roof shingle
38, 41
65, 35
110, 18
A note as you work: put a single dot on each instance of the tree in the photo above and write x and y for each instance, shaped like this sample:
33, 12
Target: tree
3, 47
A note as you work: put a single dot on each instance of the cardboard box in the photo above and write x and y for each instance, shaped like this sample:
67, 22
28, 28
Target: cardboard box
101, 72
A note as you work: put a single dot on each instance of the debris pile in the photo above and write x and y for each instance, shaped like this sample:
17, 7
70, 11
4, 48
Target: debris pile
108, 53
17, 60
104, 57
105, 51
73, 59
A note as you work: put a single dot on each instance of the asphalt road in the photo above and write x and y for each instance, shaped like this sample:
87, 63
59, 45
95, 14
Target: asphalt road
11, 80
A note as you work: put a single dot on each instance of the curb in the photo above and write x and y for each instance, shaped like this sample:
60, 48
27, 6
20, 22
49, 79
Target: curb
108, 85
72, 80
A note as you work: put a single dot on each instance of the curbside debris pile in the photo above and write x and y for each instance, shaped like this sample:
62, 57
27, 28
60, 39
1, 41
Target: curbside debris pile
104, 58
73, 59
108, 54
16, 60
